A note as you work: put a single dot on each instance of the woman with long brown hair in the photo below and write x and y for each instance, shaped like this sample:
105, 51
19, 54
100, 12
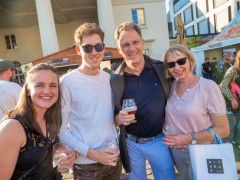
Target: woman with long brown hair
28, 133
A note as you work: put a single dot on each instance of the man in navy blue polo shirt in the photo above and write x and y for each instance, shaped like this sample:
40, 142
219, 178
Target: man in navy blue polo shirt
141, 78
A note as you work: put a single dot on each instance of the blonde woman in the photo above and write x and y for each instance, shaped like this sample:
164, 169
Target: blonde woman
195, 104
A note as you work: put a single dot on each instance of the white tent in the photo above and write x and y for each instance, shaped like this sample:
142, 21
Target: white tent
229, 36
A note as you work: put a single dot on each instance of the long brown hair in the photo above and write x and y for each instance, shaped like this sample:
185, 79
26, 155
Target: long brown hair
24, 108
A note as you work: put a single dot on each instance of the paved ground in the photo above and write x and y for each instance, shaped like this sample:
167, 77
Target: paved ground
68, 176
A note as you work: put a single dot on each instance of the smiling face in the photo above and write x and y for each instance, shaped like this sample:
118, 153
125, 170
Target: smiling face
91, 61
43, 90
130, 46
179, 71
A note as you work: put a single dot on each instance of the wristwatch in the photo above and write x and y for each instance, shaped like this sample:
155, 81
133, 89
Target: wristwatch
194, 141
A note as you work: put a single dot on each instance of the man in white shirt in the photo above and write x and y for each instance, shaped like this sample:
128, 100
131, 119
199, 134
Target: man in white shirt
9, 91
87, 112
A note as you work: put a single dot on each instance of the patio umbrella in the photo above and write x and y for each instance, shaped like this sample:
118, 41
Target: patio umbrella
180, 30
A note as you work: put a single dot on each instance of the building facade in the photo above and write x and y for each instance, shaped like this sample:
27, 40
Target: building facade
203, 19
31, 29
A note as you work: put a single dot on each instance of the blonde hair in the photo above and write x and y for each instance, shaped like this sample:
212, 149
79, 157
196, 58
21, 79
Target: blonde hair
178, 47
237, 60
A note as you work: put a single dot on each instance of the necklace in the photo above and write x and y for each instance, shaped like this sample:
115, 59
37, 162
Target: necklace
182, 87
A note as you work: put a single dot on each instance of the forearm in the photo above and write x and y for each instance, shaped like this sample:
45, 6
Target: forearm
74, 143
117, 120
203, 137
220, 126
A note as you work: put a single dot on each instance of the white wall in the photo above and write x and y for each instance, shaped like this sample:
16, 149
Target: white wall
155, 33
29, 43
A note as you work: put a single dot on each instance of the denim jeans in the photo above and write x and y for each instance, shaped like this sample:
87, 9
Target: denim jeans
158, 155
236, 134
232, 123
183, 164
97, 171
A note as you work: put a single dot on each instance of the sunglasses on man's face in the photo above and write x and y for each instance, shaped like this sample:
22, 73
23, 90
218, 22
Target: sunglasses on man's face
180, 62
89, 48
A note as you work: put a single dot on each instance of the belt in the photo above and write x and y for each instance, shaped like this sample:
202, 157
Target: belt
141, 140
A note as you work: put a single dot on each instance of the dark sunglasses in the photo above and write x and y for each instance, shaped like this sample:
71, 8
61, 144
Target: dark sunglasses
98, 47
180, 62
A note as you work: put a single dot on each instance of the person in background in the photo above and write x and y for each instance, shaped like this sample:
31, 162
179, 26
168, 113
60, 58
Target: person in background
228, 59
106, 70
88, 112
233, 75
206, 69
220, 71
9, 91
191, 109
214, 68
141, 78
114, 67
29, 131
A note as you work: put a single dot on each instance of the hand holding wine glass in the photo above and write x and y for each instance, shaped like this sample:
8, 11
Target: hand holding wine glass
130, 106
60, 153
112, 144
168, 129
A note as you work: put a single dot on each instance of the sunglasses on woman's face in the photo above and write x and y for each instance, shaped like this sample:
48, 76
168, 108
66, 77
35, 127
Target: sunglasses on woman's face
89, 48
180, 62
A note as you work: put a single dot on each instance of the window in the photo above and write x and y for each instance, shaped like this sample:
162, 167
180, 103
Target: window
146, 51
178, 4
219, 2
188, 15
201, 7
170, 29
222, 19
203, 27
138, 16
190, 31
10, 41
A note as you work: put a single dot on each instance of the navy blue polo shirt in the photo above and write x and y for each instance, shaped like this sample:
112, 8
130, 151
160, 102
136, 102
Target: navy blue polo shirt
147, 91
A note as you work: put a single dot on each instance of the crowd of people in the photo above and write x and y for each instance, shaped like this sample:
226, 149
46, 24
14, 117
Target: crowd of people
216, 69
83, 109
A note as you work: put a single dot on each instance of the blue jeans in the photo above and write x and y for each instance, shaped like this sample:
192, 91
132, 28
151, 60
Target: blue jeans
183, 164
236, 134
232, 120
206, 75
158, 155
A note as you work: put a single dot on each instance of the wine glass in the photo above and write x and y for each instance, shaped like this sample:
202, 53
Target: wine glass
112, 144
130, 106
60, 153
168, 129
